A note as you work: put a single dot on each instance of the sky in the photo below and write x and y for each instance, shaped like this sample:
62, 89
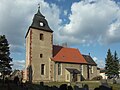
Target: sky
92, 26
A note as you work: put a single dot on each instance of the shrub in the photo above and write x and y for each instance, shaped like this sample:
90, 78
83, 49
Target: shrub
97, 78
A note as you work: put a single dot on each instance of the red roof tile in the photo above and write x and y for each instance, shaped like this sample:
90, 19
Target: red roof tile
70, 55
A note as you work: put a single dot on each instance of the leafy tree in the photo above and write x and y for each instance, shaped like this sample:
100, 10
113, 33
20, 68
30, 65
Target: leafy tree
116, 64
5, 66
109, 64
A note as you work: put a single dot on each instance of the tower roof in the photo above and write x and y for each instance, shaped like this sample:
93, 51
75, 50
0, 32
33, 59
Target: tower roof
39, 22
39, 13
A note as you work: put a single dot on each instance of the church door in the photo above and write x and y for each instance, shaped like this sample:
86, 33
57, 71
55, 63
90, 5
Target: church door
74, 77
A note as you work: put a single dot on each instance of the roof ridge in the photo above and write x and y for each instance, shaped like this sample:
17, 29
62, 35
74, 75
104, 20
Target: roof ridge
70, 48
66, 47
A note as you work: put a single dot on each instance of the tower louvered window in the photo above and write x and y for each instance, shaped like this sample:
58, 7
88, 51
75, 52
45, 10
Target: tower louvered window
41, 55
42, 69
41, 37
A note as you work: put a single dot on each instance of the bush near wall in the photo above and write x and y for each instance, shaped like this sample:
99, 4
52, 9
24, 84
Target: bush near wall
97, 78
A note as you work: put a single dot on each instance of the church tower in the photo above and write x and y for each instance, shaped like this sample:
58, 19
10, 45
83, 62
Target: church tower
39, 42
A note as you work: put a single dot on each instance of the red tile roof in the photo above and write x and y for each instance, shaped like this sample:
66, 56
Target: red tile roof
69, 55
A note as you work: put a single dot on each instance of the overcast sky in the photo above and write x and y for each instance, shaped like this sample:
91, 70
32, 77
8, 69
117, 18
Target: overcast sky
92, 26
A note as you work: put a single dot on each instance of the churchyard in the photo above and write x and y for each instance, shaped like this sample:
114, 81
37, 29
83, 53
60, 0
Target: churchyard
91, 85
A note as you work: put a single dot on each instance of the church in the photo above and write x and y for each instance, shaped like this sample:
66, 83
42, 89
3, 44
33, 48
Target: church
53, 63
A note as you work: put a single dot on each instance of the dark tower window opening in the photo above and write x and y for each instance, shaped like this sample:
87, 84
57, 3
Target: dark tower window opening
42, 69
41, 24
41, 36
41, 55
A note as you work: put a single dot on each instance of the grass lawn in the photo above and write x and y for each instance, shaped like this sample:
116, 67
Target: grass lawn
115, 86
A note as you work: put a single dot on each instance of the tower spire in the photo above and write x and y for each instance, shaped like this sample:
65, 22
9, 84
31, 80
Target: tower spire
38, 7
39, 13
